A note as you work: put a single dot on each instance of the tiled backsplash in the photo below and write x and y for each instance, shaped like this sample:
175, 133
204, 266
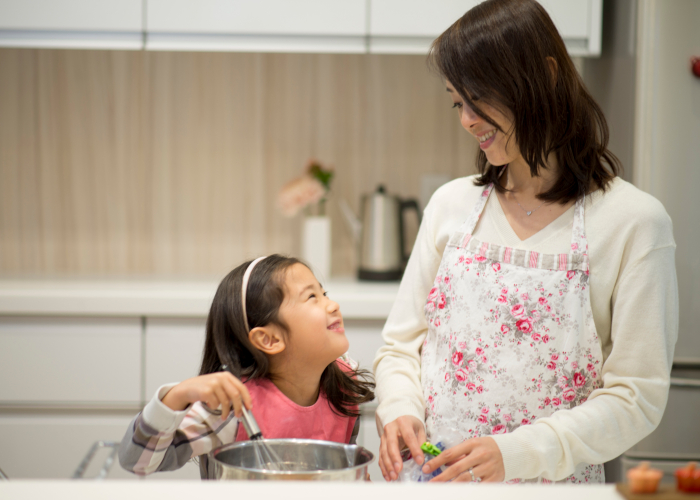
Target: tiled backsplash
148, 163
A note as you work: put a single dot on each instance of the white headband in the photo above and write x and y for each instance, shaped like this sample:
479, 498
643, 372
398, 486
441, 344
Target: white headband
244, 287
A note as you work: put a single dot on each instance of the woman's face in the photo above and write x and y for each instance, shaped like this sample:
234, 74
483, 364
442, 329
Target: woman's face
498, 148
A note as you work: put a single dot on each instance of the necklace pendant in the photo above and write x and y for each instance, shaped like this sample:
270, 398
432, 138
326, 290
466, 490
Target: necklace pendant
529, 213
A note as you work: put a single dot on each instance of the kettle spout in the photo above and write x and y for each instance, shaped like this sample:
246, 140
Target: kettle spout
351, 219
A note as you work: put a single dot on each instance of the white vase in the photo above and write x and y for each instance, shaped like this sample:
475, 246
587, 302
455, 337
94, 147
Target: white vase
316, 246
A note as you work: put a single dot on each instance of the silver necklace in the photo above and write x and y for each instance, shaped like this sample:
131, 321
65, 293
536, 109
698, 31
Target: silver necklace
528, 212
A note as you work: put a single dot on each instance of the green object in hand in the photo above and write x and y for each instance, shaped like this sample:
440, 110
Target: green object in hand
430, 448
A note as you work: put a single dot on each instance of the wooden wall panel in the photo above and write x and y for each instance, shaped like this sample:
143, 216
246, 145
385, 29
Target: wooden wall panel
168, 164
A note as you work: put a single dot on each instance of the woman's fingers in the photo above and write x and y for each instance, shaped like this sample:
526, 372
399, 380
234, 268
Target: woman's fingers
391, 455
223, 401
234, 396
413, 441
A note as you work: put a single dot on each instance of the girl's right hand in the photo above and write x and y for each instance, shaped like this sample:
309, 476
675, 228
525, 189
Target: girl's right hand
214, 389
408, 431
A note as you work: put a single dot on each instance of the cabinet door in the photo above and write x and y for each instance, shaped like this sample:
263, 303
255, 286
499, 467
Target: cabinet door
262, 25
71, 23
409, 26
75, 361
173, 350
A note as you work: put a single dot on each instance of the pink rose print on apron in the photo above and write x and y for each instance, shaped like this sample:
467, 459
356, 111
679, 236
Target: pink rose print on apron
511, 337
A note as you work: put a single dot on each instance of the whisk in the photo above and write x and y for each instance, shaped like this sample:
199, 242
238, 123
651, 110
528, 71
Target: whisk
265, 457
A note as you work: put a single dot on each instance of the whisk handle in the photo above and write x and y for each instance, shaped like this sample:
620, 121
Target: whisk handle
250, 425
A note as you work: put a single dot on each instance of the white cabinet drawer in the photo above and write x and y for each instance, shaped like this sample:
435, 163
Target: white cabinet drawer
93, 361
173, 350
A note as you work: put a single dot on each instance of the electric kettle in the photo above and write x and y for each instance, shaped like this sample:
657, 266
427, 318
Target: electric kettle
379, 233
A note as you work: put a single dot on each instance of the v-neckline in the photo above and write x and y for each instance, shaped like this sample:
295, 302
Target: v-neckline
565, 220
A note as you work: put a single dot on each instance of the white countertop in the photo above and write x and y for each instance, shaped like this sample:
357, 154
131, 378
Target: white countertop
194, 490
181, 298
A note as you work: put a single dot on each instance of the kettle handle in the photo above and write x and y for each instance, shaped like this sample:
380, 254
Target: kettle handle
407, 205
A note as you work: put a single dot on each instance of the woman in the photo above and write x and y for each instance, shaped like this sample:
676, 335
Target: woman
547, 338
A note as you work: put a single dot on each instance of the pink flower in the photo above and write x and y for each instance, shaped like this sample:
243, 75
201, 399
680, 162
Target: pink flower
535, 314
437, 322
482, 419
502, 299
485, 410
468, 260
479, 351
548, 308
555, 357
563, 381
433, 294
461, 258
545, 338
462, 345
461, 375
590, 367
574, 246
484, 359
594, 374
508, 417
447, 377
499, 429
441, 301
430, 306
551, 365
517, 310
472, 364
569, 394
447, 280
574, 365
547, 401
479, 258
570, 274
524, 296
525, 421
524, 325
542, 301
504, 291
480, 389
496, 267
579, 379
457, 358
471, 386
505, 329
536, 337
556, 401
299, 193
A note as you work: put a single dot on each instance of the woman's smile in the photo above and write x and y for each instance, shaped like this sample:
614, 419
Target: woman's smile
337, 326
487, 139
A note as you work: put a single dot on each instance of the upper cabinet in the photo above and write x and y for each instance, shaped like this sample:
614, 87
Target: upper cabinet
409, 26
335, 26
74, 24
257, 25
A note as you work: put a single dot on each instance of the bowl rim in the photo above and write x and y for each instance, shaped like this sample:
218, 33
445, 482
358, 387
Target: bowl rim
242, 444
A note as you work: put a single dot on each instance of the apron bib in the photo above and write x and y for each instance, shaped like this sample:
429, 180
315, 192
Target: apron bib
510, 336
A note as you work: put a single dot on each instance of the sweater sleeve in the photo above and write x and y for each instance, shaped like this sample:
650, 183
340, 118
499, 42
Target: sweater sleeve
161, 439
397, 364
636, 379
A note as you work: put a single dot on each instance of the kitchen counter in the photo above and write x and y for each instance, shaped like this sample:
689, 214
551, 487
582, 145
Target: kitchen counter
189, 490
171, 298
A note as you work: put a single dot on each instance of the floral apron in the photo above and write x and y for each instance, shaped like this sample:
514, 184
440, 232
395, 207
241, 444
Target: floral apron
511, 336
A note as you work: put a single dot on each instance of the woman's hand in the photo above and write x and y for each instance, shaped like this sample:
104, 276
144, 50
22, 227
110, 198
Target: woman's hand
481, 455
406, 430
214, 389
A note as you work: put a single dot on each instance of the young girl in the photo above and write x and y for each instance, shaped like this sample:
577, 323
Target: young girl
280, 339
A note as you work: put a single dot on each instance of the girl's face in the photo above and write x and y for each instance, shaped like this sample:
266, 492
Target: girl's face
316, 332
498, 148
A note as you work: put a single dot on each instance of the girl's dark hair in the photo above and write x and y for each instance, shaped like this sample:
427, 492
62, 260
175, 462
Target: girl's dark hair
227, 340
497, 53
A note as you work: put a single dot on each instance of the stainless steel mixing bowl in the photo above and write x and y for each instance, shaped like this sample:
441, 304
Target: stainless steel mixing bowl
305, 459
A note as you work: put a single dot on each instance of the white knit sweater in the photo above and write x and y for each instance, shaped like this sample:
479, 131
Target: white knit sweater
634, 298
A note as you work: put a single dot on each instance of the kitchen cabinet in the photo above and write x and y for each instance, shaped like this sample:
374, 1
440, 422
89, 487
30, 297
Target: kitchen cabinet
95, 24
256, 25
409, 26
320, 26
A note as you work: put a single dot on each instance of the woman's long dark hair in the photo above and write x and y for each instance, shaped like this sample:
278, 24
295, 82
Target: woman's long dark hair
227, 340
497, 53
